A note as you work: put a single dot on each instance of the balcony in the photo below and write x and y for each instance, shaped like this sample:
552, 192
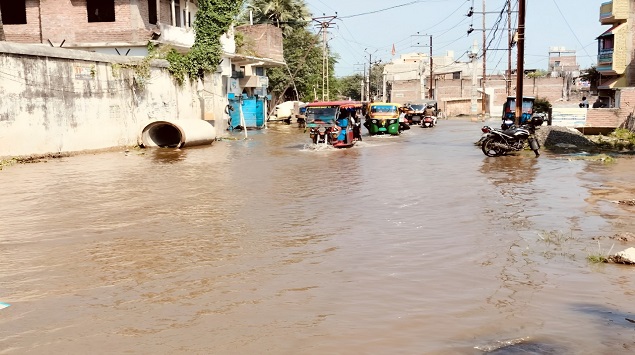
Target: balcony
254, 81
614, 49
605, 60
614, 11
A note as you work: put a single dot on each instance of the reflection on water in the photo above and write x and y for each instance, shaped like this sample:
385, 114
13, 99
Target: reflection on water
417, 244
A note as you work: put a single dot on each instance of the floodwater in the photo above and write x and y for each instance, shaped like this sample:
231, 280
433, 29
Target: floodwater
417, 244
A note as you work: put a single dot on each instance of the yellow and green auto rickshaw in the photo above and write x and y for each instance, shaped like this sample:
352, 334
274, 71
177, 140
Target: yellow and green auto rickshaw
383, 118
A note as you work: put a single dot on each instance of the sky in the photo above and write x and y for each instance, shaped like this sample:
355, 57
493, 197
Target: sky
370, 28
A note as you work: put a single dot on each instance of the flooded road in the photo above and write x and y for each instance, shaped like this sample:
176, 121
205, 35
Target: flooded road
417, 244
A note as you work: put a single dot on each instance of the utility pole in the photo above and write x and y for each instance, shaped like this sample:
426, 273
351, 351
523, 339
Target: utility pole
484, 96
521, 56
431, 79
370, 69
325, 23
508, 81
474, 94
431, 72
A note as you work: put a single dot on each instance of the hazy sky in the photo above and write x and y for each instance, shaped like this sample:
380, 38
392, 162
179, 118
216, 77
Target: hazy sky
573, 24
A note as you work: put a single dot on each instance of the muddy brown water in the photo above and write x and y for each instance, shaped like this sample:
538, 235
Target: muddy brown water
417, 244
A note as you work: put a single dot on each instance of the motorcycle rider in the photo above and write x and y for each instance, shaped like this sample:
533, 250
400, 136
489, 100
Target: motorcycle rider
429, 111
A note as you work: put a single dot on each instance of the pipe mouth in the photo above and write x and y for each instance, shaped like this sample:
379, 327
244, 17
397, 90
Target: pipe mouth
162, 134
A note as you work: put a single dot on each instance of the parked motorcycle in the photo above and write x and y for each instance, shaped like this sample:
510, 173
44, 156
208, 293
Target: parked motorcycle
497, 142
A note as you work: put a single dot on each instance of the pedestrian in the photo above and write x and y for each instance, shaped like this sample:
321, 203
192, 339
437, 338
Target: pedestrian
599, 104
584, 103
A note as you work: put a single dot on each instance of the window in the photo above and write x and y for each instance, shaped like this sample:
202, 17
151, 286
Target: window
152, 11
260, 71
177, 13
101, 10
13, 12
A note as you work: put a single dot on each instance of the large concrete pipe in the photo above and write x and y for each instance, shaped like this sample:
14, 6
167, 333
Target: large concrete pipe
177, 134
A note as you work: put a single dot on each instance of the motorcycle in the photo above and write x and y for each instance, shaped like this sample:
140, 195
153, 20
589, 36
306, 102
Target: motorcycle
428, 121
497, 142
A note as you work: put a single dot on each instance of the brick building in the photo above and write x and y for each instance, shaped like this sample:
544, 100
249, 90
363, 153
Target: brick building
121, 27
615, 48
563, 61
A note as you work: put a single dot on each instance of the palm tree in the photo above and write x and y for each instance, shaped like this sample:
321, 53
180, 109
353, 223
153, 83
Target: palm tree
284, 14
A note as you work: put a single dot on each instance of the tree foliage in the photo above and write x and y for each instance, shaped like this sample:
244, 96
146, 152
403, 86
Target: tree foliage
213, 19
303, 51
351, 87
287, 15
592, 75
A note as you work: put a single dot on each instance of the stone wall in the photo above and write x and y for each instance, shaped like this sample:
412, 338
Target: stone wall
60, 100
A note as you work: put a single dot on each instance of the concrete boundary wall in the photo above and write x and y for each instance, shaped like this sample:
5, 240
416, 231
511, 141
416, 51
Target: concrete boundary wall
55, 100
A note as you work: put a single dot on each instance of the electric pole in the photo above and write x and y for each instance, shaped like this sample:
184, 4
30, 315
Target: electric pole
431, 79
508, 81
474, 94
370, 69
484, 96
520, 71
431, 96
325, 23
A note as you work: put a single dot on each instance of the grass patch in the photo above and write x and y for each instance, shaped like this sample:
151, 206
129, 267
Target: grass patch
620, 139
557, 242
556, 238
600, 256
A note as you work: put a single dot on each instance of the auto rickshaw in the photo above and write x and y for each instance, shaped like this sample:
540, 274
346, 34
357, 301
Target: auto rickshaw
334, 123
509, 111
383, 118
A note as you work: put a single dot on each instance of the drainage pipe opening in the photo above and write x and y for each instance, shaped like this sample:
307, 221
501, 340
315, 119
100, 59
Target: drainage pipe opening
177, 134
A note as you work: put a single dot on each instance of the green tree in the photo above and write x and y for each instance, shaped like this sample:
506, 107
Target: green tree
350, 87
284, 14
303, 56
592, 75
377, 79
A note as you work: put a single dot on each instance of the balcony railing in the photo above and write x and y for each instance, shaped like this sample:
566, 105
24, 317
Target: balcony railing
605, 56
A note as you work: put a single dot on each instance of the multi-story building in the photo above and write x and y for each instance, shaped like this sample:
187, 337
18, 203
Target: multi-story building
126, 27
563, 62
408, 76
614, 50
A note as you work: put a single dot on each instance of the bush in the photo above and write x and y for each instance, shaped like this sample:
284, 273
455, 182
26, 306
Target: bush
541, 105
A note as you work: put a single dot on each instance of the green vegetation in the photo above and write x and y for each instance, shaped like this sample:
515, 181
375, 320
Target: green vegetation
540, 73
213, 19
558, 243
620, 139
287, 15
7, 163
303, 51
592, 75
600, 256
556, 238
542, 105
